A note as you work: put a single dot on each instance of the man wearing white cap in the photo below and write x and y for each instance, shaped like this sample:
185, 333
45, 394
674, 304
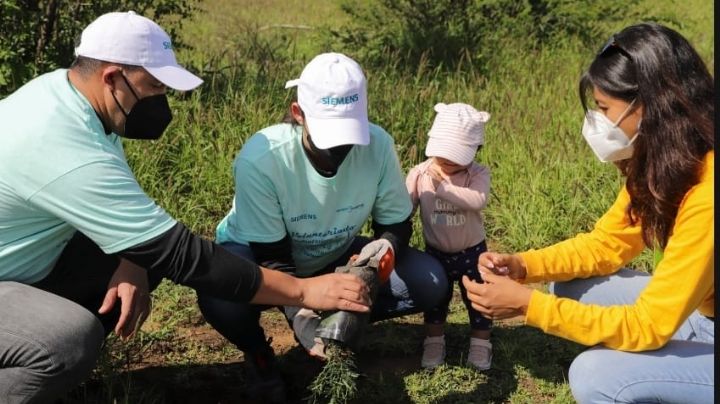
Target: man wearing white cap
77, 232
303, 191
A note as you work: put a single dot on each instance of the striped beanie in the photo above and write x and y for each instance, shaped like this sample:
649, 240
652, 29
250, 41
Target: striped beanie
456, 133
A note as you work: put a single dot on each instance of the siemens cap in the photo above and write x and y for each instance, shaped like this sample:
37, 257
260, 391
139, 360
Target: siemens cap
332, 92
132, 39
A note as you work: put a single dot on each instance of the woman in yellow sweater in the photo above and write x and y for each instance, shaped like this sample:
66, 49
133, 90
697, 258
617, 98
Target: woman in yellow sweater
652, 336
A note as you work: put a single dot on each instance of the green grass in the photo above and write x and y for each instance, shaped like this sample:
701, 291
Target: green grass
546, 186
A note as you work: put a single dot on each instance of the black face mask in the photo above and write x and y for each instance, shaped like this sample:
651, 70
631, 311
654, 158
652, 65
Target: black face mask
148, 118
327, 161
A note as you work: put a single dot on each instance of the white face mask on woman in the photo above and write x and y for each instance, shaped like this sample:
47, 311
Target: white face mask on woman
605, 137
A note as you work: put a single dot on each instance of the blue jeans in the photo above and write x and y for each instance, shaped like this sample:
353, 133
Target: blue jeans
417, 284
680, 372
456, 265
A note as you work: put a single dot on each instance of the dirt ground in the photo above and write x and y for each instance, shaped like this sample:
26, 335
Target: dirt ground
224, 382
221, 383
197, 365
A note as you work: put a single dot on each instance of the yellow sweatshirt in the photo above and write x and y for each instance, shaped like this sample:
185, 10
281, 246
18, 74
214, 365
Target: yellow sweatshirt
682, 282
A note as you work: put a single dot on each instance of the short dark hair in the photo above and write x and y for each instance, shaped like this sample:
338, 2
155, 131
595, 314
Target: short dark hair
86, 66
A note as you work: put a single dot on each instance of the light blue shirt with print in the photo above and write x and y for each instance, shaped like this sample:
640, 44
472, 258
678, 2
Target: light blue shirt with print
60, 173
278, 192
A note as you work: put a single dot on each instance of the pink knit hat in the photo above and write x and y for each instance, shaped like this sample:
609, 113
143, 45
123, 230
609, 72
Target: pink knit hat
456, 133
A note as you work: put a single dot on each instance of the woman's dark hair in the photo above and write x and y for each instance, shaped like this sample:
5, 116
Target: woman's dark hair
659, 68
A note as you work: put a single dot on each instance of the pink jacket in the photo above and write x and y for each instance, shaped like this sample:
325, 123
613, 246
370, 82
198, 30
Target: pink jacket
450, 210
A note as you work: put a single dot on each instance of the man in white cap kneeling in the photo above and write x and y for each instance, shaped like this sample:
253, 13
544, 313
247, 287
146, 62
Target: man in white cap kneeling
304, 190
77, 232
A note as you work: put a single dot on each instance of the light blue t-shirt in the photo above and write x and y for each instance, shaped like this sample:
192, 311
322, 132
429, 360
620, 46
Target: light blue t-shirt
278, 192
60, 173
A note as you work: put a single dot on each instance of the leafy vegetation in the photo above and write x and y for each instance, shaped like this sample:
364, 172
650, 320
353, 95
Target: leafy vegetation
336, 382
465, 33
522, 66
38, 36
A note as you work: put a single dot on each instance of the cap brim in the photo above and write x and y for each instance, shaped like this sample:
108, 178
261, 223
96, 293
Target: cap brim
331, 132
175, 77
292, 83
456, 152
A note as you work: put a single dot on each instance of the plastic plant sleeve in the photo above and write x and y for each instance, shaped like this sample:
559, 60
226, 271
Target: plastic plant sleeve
345, 326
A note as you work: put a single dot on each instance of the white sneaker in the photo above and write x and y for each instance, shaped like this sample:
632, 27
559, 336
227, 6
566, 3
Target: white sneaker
433, 352
480, 354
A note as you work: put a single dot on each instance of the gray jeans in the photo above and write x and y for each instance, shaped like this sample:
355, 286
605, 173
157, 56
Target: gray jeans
48, 344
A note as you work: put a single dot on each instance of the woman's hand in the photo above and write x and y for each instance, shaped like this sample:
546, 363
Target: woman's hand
499, 297
335, 291
508, 265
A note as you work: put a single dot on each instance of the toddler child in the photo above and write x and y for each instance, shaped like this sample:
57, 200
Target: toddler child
452, 190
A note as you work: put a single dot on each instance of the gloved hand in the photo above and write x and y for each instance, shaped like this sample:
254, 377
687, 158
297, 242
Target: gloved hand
378, 253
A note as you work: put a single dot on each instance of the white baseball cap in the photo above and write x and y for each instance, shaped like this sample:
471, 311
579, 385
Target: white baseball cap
456, 133
134, 40
332, 92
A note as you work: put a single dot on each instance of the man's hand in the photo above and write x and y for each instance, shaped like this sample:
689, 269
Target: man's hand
499, 297
335, 291
130, 284
379, 253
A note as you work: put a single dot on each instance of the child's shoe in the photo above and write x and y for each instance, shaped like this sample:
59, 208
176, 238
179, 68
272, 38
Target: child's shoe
433, 352
480, 354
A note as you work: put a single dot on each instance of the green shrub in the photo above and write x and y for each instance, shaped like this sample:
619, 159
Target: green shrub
39, 36
451, 33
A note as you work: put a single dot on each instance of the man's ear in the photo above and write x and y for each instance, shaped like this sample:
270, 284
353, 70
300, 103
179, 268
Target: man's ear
108, 73
297, 113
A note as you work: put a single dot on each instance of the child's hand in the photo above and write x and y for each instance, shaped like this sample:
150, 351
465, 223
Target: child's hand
508, 265
436, 173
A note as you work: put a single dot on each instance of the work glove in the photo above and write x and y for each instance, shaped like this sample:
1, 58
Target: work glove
345, 326
304, 324
379, 254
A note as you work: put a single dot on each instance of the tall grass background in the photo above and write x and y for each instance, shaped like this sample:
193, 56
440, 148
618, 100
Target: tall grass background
546, 183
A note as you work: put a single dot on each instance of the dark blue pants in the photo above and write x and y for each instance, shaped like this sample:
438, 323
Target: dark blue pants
417, 284
456, 265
